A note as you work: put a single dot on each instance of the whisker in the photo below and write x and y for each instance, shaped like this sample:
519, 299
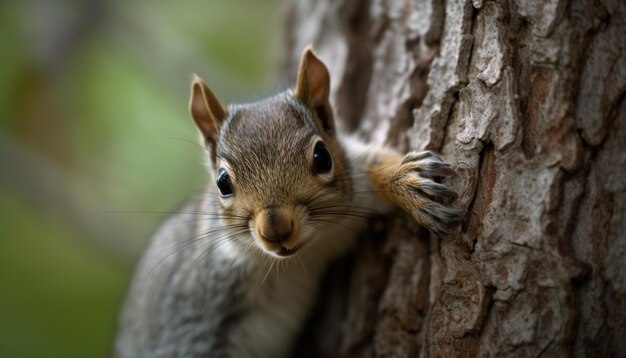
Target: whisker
202, 213
336, 223
302, 263
232, 230
270, 269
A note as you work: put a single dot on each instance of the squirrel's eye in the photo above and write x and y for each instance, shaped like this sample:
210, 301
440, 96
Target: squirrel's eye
224, 184
322, 162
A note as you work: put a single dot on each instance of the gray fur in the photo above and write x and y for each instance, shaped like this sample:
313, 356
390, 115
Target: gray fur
179, 306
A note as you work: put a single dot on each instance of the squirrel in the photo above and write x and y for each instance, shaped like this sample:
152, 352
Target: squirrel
237, 270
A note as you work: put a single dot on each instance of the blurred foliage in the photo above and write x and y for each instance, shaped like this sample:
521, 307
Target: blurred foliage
96, 146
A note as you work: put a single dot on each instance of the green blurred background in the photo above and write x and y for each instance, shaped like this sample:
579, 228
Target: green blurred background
96, 144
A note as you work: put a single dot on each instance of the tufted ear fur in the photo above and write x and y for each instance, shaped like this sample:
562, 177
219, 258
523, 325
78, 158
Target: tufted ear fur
313, 88
207, 112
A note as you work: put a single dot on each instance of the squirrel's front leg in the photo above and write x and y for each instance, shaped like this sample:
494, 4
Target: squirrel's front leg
410, 182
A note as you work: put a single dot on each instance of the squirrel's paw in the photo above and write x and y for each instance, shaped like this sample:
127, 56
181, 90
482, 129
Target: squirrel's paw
418, 192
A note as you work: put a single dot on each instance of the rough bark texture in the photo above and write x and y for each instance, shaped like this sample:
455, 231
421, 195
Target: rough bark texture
527, 100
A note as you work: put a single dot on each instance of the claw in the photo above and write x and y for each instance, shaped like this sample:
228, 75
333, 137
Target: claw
428, 163
433, 168
439, 218
435, 189
416, 156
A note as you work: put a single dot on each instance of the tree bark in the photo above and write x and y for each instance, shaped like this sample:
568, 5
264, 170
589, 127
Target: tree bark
527, 100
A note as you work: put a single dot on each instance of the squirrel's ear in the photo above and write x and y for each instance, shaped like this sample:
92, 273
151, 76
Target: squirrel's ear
206, 110
313, 88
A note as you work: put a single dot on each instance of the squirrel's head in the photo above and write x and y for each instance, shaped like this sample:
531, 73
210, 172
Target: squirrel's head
278, 168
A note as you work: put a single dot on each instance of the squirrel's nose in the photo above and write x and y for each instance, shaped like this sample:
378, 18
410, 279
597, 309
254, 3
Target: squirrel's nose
277, 233
275, 225
278, 237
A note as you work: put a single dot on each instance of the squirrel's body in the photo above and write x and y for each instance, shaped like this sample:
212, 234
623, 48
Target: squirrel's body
235, 273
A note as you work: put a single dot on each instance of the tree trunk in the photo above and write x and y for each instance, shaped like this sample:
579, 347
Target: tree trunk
526, 100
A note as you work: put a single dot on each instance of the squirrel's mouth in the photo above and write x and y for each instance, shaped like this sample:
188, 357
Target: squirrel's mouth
284, 252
